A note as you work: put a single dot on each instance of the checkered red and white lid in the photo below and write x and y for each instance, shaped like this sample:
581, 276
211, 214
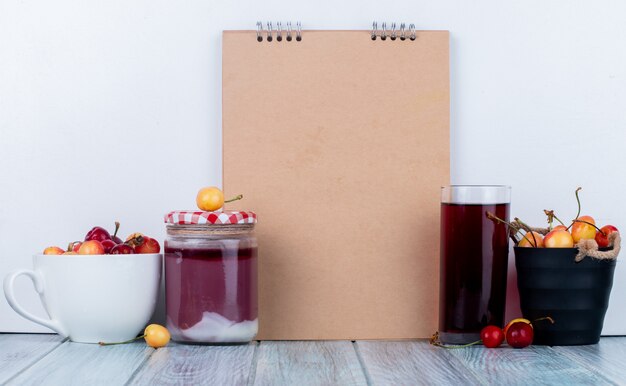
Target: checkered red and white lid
227, 217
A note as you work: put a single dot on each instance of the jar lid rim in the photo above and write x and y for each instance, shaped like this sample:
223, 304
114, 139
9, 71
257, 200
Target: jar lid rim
227, 217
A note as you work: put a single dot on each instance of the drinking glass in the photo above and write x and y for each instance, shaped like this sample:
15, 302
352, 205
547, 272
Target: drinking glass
474, 260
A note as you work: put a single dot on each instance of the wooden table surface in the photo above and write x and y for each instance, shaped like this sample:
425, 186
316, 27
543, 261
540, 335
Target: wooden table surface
40, 359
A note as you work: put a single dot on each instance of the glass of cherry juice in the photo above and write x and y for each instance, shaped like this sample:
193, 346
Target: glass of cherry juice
474, 260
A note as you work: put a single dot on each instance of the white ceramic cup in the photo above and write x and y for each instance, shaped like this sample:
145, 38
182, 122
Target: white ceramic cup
93, 298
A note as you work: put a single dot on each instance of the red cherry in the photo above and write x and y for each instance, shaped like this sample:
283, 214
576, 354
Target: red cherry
108, 245
98, 234
519, 335
147, 245
122, 249
602, 238
492, 336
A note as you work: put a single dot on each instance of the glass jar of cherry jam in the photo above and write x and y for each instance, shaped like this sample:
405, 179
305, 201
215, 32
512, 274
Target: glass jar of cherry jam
211, 276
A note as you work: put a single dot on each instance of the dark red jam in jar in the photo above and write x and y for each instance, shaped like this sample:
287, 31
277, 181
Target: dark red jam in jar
211, 276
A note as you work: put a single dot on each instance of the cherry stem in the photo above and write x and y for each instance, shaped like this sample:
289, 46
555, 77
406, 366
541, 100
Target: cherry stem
578, 201
550, 214
434, 340
438, 344
551, 218
589, 223
135, 241
70, 246
117, 228
544, 318
558, 219
528, 230
127, 341
239, 197
493, 217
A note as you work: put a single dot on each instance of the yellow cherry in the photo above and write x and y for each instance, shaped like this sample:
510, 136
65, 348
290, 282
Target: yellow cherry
53, 251
156, 335
211, 199
530, 240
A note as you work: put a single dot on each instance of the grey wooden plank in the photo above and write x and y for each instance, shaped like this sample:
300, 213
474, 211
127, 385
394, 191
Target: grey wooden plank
179, 364
535, 365
18, 351
606, 357
412, 363
308, 363
86, 364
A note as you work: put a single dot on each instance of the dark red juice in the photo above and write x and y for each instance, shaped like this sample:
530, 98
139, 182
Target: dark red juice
474, 260
211, 293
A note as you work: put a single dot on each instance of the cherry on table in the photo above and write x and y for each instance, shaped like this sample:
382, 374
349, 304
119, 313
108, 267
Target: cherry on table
519, 335
492, 336
156, 336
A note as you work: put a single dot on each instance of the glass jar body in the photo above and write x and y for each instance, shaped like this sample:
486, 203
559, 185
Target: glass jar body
211, 283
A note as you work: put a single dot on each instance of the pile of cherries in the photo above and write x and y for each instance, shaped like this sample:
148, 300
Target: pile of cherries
518, 334
99, 241
561, 236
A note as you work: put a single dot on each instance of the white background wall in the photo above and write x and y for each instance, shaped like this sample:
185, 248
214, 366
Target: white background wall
111, 110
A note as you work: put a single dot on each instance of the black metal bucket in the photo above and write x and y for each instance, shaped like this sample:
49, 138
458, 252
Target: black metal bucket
575, 295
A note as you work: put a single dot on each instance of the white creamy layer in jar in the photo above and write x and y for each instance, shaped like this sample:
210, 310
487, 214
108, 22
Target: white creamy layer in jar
214, 328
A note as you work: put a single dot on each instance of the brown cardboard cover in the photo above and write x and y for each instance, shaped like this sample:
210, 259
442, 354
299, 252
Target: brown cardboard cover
340, 144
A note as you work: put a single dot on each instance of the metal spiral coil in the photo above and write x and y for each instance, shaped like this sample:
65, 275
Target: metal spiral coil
279, 33
394, 32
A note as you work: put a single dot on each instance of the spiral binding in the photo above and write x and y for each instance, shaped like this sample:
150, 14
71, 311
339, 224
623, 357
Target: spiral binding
270, 33
394, 33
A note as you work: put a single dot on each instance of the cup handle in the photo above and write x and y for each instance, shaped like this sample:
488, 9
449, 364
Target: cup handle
38, 282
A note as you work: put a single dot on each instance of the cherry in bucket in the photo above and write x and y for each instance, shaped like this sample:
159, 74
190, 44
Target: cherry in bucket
531, 239
584, 227
559, 236
602, 237
558, 239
